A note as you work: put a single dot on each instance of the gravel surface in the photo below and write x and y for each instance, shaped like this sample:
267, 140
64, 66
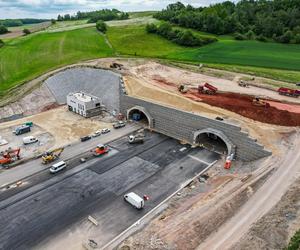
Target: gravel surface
101, 83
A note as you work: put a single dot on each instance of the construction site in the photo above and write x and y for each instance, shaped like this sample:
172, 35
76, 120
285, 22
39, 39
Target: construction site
214, 156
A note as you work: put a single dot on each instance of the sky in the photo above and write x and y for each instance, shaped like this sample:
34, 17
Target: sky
51, 8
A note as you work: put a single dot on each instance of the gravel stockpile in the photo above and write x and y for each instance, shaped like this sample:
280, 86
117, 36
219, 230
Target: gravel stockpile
101, 83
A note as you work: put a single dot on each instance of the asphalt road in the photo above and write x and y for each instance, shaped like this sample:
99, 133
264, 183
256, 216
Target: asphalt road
30, 168
156, 168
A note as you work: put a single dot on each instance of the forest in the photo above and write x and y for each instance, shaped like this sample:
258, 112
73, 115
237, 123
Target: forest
263, 20
94, 16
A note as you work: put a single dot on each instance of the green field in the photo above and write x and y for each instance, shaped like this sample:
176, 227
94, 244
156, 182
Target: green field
133, 39
24, 58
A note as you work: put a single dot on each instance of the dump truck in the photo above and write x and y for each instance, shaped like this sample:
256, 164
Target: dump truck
137, 138
288, 92
101, 150
9, 156
51, 156
207, 89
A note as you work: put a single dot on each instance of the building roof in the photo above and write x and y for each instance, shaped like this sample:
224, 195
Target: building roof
83, 97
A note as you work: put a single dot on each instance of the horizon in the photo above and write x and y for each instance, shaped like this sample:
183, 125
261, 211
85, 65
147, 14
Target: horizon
46, 9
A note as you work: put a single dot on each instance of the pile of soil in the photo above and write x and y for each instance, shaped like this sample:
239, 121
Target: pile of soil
50, 106
242, 104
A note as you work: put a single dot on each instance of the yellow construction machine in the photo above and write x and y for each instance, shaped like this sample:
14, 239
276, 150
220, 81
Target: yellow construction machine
51, 155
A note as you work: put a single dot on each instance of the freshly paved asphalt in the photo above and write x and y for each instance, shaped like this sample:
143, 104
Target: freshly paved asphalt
156, 168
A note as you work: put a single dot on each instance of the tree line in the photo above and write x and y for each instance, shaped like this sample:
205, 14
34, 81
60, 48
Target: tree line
181, 37
263, 20
20, 22
94, 16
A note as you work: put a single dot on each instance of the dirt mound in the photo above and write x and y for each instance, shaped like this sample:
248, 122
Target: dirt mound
242, 104
50, 106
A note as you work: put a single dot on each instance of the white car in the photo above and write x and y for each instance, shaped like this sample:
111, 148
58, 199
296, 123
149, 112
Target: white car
58, 167
29, 140
97, 133
105, 130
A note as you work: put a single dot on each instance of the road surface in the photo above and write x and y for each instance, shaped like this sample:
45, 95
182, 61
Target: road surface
24, 170
36, 216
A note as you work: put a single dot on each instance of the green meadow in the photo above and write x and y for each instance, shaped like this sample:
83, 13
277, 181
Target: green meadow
24, 58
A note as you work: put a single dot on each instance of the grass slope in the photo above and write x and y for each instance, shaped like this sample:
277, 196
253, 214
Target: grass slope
24, 58
261, 57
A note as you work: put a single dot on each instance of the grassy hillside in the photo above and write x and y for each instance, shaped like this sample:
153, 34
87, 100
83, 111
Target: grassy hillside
133, 40
24, 58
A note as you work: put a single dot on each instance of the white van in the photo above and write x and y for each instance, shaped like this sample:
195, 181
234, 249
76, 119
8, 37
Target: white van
29, 140
58, 167
134, 200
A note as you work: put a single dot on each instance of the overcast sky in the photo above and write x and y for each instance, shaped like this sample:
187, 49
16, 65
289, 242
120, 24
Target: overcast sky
51, 8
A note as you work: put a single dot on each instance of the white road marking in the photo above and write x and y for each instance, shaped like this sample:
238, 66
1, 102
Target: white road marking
197, 159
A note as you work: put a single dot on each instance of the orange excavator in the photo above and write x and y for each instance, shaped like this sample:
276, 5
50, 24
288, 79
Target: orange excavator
101, 150
9, 156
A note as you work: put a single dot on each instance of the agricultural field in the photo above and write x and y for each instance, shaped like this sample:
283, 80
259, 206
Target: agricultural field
24, 58
69, 25
18, 31
134, 39
44, 51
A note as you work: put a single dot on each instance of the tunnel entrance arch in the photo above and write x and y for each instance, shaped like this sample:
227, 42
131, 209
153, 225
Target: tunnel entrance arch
140, 114
214, 140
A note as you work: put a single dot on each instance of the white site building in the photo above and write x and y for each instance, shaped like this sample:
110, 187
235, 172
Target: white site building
84, 104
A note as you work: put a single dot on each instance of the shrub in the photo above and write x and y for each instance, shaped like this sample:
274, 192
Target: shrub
239, 36
101, 26
3, 29
261, 38
250, 35
26, 32
185, 38
286, 37
151, 28
1, 43
294, 243
297, 39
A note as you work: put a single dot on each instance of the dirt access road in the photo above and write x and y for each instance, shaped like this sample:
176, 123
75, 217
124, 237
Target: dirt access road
288, 168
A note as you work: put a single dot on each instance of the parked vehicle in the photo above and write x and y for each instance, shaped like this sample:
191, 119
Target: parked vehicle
55, 168
22, 130
105, 130
119, 124
298, 84
97, 133
29, 140
135, 200
85, 138
288, 92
